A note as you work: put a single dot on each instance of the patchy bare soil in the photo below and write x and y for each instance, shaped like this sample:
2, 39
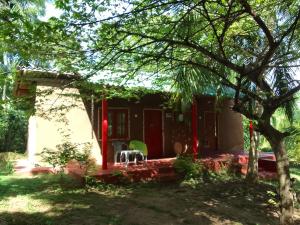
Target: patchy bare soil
51, 201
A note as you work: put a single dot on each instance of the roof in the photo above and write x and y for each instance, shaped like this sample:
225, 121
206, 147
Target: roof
26, 77
100, 80
32, 75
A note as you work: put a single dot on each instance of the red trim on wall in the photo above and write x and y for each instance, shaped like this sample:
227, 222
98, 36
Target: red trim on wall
250, 130
195, 129
104, 133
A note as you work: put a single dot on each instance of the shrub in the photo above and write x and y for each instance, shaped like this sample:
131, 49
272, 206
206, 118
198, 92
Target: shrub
185, 165
66, 152
6, 164
13, 129
293, 146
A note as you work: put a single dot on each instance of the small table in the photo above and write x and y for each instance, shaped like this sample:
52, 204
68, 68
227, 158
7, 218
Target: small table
127, 153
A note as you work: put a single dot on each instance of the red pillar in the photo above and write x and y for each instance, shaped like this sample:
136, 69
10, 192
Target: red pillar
195, 128
250, 130
104, 134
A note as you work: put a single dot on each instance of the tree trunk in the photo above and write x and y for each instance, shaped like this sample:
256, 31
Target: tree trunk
252, 171
275, 139
286, 197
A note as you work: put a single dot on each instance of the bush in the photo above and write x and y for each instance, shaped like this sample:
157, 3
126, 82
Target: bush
13, 129
66, 152
185, 165
6, 164
7, 168
292, 144
246, 133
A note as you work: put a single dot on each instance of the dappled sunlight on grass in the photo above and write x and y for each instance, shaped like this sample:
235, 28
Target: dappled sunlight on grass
25, 204
52, 200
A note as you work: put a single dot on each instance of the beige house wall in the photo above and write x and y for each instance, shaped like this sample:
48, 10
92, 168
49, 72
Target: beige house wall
230, 129
60, 115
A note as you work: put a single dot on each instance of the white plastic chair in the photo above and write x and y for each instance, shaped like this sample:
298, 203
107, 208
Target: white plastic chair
117, 145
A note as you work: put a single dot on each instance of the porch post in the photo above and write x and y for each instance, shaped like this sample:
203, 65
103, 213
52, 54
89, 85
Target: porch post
250, 130
104, 133
195, 128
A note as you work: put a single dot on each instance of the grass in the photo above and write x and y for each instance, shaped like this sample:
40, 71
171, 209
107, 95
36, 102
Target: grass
7, 162
10, 156
295, 172
60, 200
52, 200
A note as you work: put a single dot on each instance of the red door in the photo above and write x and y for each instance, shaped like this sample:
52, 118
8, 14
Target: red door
153, 133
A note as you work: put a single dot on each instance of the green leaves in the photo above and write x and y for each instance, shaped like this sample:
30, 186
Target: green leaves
58, 158
215, 47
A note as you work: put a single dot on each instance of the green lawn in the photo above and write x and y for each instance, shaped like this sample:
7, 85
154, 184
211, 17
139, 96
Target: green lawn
295, 172
49, 200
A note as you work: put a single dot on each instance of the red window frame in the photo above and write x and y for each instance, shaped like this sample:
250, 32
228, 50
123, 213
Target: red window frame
115, 123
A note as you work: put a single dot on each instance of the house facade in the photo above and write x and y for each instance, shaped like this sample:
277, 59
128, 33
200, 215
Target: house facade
61, 112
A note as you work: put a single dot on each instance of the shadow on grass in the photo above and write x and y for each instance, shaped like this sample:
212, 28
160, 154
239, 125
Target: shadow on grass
65, 203
12, 185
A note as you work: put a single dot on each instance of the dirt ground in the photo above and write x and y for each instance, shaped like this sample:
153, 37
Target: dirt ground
50, 201
222, 203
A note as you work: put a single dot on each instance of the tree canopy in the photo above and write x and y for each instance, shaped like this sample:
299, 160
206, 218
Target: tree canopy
245, 45
16, 17
249, 46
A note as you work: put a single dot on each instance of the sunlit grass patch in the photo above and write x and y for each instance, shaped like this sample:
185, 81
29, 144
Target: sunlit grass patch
24, 203
60, 200
7, 161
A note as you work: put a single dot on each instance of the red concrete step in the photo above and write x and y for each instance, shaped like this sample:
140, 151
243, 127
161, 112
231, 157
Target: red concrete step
166, 169
139, 175
168, 177
108, 178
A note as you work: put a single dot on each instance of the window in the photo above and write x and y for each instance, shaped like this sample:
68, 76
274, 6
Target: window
117, 123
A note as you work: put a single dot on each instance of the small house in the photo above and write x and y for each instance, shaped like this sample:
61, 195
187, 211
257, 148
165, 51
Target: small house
63, 110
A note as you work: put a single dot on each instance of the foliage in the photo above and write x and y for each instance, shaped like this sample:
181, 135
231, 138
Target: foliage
7, 162
13, 129
192, 172
280, 122
93, 184
185, 165
246, 133
293, 145
250, 47
6, 167
16, 17
187, 44
11, 156
292, 142
65, 152
24, 201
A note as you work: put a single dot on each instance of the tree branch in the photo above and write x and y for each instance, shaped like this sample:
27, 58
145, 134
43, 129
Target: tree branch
291, 28
214, 30
188, 44
278, 101
259, 21
136, 10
